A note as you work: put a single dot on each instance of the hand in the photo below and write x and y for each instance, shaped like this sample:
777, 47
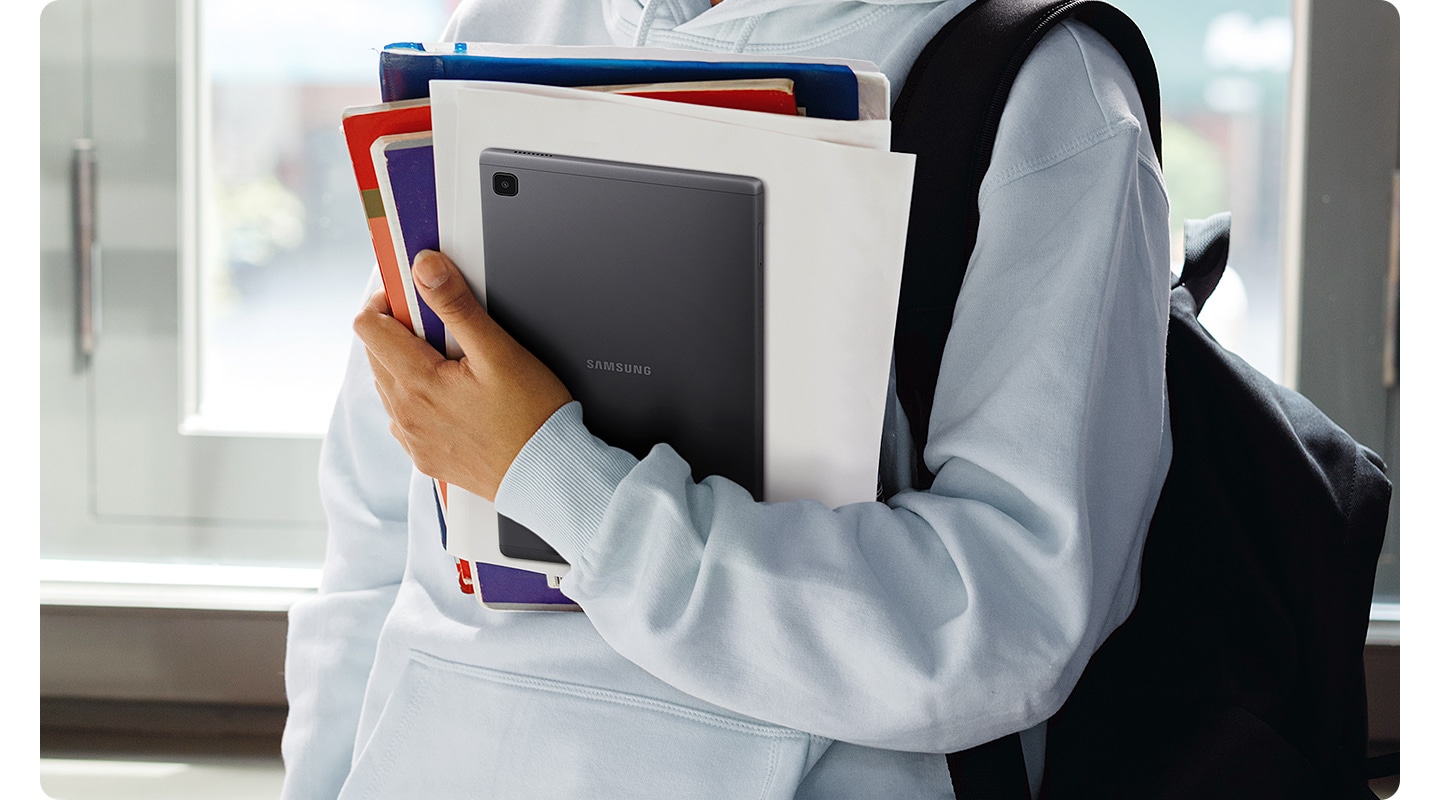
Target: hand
462, 422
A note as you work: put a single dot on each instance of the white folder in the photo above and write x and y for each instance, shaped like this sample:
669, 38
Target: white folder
837, 204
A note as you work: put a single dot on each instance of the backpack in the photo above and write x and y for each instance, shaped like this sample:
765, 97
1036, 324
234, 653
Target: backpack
1239, 673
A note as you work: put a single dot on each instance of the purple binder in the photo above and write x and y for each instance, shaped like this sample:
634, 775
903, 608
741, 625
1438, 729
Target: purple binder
410, 168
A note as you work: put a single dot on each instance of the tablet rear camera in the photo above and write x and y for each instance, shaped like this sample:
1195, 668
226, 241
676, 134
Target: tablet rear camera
505, 184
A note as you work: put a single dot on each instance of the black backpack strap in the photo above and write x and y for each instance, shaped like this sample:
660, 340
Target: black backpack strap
948, 115
991, 771
1207, 250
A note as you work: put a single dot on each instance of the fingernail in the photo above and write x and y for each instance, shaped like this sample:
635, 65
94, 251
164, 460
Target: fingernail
429, 270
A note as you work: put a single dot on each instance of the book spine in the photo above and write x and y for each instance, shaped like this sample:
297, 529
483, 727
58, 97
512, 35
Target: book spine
384, 245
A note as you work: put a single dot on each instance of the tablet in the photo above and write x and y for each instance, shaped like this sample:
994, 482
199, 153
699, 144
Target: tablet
641, 287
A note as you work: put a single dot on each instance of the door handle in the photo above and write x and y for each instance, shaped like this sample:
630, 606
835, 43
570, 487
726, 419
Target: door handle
87, 248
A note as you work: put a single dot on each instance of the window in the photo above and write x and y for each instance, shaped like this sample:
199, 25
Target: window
234, 251
172, 444
282, 246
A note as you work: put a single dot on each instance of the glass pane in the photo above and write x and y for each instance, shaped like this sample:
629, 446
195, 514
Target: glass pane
1224, 83
284, 249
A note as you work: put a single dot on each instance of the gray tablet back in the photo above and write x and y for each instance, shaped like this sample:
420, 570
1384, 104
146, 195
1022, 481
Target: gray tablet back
641, 287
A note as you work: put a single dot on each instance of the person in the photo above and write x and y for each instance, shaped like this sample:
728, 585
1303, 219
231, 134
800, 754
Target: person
729, 647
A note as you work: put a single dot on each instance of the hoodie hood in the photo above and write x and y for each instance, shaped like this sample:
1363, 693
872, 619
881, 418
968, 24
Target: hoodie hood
730, 10
731, 19
887, 33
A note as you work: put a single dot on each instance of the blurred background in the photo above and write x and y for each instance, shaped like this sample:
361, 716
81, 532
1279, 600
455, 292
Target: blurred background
184, 397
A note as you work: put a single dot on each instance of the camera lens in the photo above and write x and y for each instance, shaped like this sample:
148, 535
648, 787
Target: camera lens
505, 184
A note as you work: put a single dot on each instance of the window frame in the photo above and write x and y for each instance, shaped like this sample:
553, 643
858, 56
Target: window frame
1339, 221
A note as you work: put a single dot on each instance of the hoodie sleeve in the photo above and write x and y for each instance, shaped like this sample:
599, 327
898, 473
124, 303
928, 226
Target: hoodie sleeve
330, 648
950, 616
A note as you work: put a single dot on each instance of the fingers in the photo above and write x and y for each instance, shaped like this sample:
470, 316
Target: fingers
378, 303
395, 429
384, 387
399, 434
444, 289
391, 346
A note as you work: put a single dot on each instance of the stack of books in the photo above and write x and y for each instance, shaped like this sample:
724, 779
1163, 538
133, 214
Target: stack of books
829, 233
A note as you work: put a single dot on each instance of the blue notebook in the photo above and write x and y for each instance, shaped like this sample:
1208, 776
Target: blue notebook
828, 91
410, 172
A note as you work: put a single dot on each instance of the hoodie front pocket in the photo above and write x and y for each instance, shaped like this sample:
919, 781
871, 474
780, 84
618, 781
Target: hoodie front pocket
453, 730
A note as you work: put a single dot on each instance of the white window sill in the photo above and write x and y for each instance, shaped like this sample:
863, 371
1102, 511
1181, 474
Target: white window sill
205, 587
218, 587
1384, 624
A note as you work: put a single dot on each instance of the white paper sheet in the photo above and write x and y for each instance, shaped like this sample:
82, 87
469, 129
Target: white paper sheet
834, 245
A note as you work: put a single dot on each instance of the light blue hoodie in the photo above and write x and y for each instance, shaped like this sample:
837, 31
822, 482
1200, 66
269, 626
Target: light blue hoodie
734, 649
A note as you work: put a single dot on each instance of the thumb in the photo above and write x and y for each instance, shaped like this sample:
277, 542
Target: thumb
444, 289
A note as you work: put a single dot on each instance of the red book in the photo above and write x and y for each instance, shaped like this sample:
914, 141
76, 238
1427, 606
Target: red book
362, 126
774, 96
